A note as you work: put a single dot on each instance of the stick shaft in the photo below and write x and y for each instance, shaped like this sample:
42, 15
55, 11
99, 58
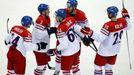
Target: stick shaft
7, 25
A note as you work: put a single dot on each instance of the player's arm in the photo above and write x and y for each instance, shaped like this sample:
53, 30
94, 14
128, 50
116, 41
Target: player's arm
7, 40
63, 41
102, 35
99, 37
83, 34
125, 15
30, 46
40, 33
83, 21
78, 31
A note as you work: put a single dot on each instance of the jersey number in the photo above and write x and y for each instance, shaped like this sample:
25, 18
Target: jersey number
70, 35
15, 40
118, 37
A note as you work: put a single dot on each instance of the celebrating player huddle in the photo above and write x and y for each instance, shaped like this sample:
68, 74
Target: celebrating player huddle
72, 27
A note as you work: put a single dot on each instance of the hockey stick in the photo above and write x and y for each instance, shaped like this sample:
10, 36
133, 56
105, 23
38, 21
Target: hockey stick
128, 51
94, 48
7, 25
127, 42
52, 68
49, 67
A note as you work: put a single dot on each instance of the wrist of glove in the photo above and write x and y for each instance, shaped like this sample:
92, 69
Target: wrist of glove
87, 40
51, 52
41, 45
87, 31
125, 13
52, 30
90, 39
58, 52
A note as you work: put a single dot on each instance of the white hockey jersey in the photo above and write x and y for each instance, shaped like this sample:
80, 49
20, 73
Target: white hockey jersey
39, 33
80, 18
110, 36
21, 39
68, 42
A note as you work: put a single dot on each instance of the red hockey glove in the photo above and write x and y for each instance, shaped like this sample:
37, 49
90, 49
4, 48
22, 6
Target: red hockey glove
125, 13
87, 31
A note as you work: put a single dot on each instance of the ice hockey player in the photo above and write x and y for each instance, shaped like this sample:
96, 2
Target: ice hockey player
19, 41
81, 19
110, 40
68, 43
41, 33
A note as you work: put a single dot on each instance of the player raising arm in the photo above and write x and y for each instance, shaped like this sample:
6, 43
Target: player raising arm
19, 41
110, 37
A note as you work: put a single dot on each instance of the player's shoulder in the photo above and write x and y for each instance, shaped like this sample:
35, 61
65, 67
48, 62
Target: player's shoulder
80, 12
80, 15
20, 30
68, 19
41, 20
121, 19
66, 24
17, 29
114, 26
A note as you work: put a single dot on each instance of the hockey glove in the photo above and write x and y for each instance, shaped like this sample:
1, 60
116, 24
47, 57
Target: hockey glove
87, 31
125, 13
85, 41
90, 39
52, 30
51, 52
41, 45
58, 52
5, 42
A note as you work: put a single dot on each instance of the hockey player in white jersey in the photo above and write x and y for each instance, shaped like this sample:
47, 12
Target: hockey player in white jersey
110, 40
81, 20
19, 40
68, 43
41, 33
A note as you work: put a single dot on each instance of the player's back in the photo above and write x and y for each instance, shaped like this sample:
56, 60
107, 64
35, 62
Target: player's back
20, 35
65, 31
111, 45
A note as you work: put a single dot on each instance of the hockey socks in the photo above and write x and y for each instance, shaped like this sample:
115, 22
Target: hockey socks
98, 72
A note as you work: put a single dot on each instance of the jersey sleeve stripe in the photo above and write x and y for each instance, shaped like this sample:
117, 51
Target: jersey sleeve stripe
104, 31
40, 27
85, 21
27, 39
60, 35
